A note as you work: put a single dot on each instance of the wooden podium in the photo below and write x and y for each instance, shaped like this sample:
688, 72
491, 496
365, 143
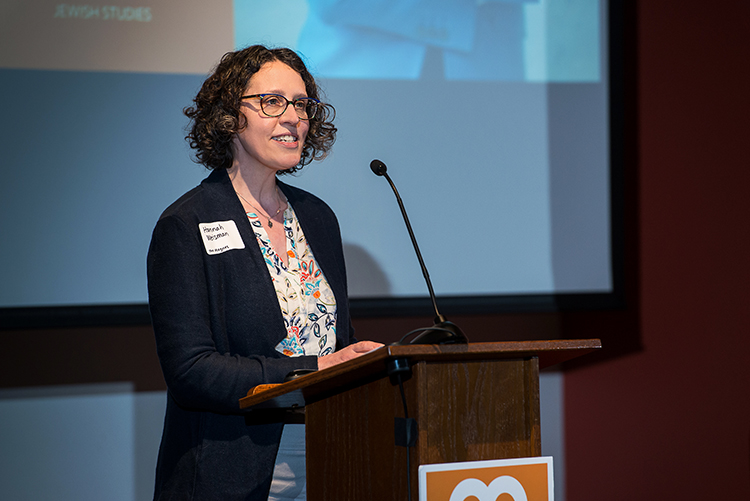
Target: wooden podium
470, 402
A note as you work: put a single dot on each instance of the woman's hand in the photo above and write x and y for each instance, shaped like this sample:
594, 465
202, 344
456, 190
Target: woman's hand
350, 352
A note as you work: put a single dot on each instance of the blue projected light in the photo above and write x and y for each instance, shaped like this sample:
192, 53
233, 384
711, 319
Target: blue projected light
514, 40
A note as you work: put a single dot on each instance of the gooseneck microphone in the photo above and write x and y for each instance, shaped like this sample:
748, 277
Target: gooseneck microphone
443, 332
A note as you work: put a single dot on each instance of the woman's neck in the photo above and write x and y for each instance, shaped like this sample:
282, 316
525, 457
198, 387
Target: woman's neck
256, 185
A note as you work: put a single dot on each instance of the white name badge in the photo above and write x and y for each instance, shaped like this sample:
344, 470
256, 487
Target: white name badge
220, 236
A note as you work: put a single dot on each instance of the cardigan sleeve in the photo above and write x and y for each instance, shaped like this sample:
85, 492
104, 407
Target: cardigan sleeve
200, 371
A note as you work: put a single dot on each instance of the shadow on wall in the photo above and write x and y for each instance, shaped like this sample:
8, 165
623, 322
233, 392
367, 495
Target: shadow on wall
366, 277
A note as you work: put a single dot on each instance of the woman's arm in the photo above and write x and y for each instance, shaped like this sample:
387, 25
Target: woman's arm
197, 352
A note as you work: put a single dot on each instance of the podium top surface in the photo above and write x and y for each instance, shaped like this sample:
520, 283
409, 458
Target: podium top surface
317, 385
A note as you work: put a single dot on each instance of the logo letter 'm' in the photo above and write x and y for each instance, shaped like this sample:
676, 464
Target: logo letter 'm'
484, 492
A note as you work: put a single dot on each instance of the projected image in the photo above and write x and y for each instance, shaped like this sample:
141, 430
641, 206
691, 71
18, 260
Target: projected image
459, 99
100, 36
492, 118
486, 40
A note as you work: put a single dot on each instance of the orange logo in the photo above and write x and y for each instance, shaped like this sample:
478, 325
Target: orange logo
526, 479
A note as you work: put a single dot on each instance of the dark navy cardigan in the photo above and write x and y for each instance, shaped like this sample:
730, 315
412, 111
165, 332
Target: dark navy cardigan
217, 321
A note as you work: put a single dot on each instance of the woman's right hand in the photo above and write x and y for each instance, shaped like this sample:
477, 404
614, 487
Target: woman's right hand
350, 352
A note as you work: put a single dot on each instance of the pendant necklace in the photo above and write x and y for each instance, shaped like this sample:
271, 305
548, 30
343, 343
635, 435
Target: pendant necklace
268, 218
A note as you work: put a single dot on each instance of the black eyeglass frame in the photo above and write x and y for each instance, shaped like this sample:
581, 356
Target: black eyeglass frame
307, 100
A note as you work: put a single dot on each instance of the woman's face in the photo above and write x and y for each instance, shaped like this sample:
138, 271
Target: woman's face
272, 142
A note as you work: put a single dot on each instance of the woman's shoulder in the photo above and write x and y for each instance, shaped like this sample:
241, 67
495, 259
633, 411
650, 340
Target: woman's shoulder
209, 199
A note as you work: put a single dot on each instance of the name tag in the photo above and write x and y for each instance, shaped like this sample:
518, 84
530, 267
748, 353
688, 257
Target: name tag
220, 236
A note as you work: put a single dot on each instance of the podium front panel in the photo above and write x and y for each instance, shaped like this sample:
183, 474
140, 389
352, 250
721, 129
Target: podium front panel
465, 411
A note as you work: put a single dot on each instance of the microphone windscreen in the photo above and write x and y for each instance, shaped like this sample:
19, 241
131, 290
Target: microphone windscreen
378, 167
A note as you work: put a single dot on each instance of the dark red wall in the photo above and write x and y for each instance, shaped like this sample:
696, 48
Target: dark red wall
673, 421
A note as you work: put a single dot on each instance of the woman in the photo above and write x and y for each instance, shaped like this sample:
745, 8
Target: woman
246, 279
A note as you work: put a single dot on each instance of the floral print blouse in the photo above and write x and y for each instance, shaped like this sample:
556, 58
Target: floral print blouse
305, 298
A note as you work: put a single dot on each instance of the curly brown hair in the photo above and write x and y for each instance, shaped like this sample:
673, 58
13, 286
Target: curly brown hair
216, 117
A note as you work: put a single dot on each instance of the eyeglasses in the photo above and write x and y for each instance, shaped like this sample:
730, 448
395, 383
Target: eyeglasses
274, 105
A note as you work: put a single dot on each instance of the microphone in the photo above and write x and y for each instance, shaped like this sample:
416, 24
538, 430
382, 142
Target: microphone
443, 331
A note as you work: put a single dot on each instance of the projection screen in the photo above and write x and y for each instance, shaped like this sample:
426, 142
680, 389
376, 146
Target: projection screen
492, 117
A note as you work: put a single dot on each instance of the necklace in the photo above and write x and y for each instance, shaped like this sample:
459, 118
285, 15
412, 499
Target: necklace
268, 218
